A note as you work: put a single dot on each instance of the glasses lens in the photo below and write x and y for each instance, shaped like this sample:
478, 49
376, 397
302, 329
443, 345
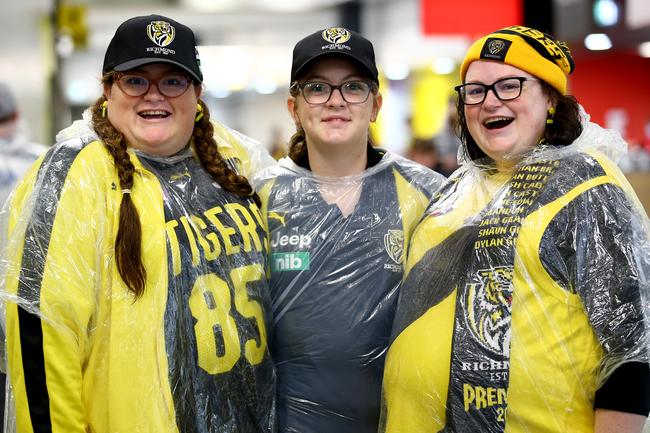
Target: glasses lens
316, 93
510, 88
173, 85
472, 93
355, 92
133, 85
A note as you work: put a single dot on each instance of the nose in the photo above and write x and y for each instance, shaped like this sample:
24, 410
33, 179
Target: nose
491, 98
336, 98
153, 93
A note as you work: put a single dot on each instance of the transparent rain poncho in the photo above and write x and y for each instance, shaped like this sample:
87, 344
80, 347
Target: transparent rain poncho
524, 291
337, 248
189, 355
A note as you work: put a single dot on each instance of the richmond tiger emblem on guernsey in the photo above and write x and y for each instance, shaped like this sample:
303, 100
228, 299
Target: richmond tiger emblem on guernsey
394, 243
488, 303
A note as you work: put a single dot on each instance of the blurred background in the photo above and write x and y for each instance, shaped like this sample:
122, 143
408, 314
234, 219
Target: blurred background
52, 52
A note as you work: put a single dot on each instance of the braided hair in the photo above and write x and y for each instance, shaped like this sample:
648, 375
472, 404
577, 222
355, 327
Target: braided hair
129, 234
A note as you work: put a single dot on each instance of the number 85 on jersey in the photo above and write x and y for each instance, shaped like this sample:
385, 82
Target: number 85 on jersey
210, 304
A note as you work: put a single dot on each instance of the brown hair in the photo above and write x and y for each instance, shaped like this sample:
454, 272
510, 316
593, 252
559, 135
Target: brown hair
298, 142
129, 234
566, 126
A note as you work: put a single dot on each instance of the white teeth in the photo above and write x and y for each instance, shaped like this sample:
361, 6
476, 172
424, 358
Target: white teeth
497, 119
153, 113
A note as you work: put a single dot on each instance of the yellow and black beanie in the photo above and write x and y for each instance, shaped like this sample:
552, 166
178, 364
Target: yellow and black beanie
527, 49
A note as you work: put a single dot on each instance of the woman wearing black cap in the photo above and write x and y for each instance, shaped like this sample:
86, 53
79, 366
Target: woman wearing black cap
525, 304
340, 215
135, 269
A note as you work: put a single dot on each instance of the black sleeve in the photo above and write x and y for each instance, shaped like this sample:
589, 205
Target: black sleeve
626, 390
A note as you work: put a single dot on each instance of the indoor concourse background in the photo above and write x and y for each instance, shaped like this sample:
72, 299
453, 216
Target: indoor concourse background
52, 51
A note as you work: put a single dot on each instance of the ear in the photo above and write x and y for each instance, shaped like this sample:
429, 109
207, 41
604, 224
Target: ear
107, 90
376, 106
293, 109
551, 99
198, 90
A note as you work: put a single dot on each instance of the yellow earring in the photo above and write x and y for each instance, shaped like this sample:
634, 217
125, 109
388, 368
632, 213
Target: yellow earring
549, 117
104, 105
199, 112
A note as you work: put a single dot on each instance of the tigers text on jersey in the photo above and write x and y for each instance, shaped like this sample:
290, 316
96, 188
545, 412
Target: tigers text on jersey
334, 283
523, 292
190, 355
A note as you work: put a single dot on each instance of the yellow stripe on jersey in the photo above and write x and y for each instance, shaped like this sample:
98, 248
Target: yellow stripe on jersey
410, 408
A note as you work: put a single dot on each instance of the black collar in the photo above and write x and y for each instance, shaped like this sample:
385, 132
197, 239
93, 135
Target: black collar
374, 156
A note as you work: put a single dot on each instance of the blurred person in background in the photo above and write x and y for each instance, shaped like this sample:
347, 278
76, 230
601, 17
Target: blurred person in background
525, 302
423, 151
278, 148
135, 273
447, 141
17, 153
340, 215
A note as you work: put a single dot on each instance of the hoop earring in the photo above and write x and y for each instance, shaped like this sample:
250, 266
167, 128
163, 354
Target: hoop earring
199, 112
549, 116
104, 106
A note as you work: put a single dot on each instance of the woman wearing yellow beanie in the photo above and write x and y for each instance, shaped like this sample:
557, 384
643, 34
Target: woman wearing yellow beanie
525, 301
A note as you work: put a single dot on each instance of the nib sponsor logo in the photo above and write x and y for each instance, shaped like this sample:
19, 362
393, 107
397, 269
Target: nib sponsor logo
294, 261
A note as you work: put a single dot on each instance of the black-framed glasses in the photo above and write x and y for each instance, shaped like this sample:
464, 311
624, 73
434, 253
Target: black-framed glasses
317, 92
506, 89
172, 85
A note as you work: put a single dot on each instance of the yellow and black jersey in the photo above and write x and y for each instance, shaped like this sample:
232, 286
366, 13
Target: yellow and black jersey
190, 355
523, 293
334, 284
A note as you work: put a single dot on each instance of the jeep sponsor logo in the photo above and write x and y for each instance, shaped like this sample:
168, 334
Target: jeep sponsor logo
300, 241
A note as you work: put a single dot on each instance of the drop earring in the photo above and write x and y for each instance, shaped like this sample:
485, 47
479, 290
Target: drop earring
199, 112
549, 116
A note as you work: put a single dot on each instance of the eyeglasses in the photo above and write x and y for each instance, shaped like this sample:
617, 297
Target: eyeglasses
353, 92
171, 86
506, 89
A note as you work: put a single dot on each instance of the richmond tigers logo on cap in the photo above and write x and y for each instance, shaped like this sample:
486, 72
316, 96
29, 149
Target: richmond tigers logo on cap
161, 33
336, 35
495, 49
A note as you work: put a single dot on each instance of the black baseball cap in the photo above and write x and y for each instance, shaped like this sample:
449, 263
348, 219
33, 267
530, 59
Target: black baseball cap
152, 39
334, 41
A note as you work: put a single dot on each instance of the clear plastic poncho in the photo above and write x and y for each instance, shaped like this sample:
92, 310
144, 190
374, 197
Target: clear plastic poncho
83, 354
524, 292
337, 248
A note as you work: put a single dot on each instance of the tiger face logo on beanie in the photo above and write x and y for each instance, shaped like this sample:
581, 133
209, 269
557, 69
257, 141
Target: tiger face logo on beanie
495, 49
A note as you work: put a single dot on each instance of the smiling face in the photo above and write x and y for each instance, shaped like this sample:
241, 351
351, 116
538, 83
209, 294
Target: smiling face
506, 130
336, 125
153, 123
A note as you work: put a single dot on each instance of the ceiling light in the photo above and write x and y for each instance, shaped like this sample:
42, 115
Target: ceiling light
644, 49
397, 71
605, 13
264, 86
443, 65
219, 93
598, 42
